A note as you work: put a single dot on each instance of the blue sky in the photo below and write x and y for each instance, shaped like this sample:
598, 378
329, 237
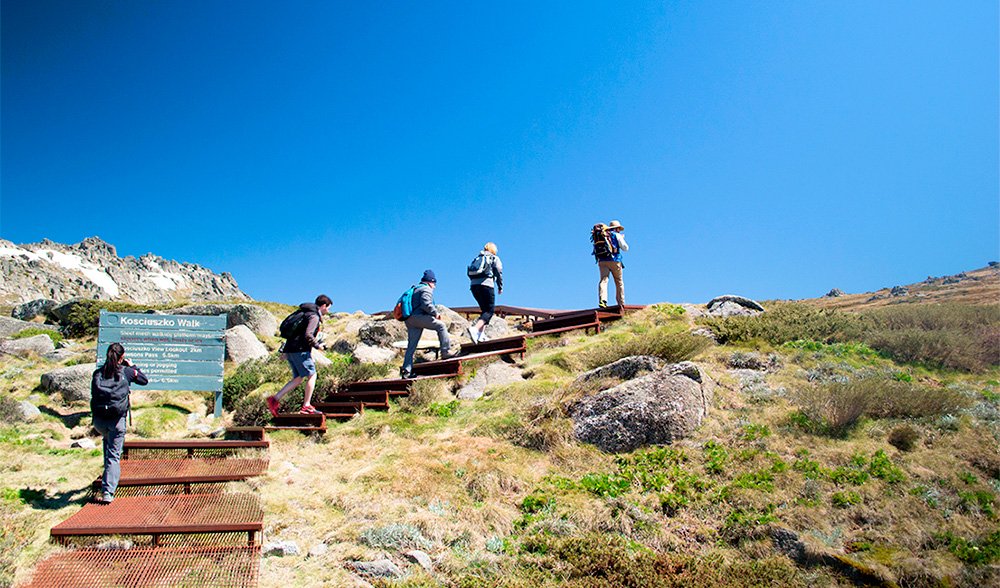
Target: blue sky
770, 149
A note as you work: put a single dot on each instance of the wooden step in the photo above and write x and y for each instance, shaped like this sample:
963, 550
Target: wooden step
505, 343
367, 398
567, 322
295, 419
442, 367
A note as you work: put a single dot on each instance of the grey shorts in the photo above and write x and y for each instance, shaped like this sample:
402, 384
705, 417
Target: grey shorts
302, 364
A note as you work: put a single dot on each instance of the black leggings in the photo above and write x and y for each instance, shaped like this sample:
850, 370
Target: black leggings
486, 298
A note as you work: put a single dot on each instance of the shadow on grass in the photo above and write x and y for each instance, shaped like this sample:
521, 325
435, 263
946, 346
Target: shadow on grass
68, 420
40, 499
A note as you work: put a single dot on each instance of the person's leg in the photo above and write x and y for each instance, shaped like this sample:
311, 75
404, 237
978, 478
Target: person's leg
443, 340
310, 385
602, 286
413, 332
486, 299
616, 271
114, 441
291, 385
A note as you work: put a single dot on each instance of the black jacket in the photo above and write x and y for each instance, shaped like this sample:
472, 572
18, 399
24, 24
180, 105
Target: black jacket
305, 340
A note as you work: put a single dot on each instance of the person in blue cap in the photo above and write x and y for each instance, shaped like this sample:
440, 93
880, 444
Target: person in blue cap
424, 316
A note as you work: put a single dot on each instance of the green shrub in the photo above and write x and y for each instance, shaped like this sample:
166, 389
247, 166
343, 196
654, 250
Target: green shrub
660, 342
845, 499
443, 409
950, 335
251, 411
785, 322
715, 457
84, 317
982, 551
56, 336
250, 375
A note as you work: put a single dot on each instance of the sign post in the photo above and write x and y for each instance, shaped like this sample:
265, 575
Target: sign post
176, 352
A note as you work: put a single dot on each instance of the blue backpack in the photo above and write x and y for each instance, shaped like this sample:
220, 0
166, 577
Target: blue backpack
404, 306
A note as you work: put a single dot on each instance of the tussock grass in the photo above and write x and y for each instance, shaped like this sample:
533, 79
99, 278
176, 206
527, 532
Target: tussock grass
659, 342
788, 321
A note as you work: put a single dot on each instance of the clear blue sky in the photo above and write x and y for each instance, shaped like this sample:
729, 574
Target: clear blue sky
770, 149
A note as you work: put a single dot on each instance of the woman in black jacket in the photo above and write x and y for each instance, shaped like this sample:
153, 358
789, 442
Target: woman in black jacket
109, 405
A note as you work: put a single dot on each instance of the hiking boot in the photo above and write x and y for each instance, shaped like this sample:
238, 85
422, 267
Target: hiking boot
104, 498
473, 334
272, 405
405, 374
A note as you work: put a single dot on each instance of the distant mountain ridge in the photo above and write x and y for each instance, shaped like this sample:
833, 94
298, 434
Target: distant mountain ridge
92, 269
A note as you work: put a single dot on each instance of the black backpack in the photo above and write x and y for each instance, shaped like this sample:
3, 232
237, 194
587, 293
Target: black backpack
293, 324
601, 241
109, 397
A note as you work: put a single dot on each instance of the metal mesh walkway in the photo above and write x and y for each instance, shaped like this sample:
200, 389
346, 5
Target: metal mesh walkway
235, 567
158, 515
143, 472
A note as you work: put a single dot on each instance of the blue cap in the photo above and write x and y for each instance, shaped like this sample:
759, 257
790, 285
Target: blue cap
428, 277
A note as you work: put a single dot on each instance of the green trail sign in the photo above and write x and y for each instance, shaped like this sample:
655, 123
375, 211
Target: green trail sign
176, 352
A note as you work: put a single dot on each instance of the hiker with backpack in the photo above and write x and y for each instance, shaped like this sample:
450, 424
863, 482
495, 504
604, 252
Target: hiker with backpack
109, 407
485, 272
608, 244
301, 333
416, 307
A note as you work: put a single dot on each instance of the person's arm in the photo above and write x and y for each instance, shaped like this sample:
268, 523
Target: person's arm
133, 375
498, 274
425, 301
621, 242
312, 327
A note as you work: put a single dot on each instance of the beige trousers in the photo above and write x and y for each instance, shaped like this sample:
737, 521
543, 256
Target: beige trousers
615, 269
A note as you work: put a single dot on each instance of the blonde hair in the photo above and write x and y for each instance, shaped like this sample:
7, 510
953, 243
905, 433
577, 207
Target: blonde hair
491, 247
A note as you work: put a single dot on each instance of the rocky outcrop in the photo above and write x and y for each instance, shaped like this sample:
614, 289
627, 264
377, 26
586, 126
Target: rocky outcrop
380, 568
371, 354
497, 329
72, 382
658, 408
625, 368
92, 269
242, 345
39, 345
457, 325
730, 305
12, 326
255, 318
497, 373
32, 309
382, 332
835, 293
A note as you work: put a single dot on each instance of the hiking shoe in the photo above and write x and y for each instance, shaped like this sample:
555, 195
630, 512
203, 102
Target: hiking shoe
405, 374
473, 334
104, 498
448, 355
309, 409
602, 304
272, 405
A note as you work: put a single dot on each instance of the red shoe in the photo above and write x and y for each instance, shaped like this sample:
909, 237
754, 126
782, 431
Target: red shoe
309, 409
272, 405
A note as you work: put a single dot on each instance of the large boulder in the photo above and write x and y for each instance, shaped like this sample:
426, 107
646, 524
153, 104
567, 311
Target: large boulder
242, 345
457, 325
731, 305
39, 345
371, 354
72, 382
256, 318
625, 368
382, 332
498, 328
27, 412
10, 326
661, 407
32, 309
497, 373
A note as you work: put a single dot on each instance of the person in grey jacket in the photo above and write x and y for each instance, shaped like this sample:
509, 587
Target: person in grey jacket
424, 316
483, 290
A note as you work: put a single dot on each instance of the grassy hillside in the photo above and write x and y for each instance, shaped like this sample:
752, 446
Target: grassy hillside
842, 448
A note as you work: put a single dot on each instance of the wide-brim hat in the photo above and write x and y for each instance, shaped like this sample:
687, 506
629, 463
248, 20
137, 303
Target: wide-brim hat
615, 225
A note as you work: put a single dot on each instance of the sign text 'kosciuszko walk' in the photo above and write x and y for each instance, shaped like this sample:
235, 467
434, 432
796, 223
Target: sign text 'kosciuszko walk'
176, 352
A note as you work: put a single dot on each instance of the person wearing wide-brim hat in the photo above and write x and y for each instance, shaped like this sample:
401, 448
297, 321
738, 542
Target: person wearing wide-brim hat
608, 253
